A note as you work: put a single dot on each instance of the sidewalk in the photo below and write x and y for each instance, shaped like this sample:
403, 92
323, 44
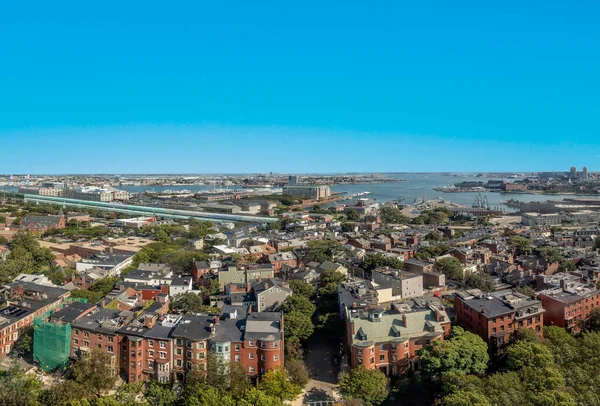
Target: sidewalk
315, 392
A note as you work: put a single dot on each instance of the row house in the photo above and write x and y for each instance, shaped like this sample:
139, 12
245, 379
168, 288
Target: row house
569, 305
495, 316
167, 347
24, 302
389, 339
280, 259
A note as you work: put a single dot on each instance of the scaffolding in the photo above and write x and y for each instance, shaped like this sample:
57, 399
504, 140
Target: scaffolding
51, 344
52, 341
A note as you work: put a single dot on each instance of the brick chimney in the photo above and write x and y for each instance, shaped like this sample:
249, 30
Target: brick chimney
266, 286
283, 284
404, 320
216, 320
149, 321
563, 284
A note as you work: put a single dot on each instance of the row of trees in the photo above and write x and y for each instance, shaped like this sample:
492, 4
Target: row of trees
26, 256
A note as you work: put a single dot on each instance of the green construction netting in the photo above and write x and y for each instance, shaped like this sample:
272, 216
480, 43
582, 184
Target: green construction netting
52, 341
51, 344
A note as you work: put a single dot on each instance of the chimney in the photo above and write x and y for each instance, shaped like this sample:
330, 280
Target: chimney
266, 286
216, 320
149, 321
283, 284
248, 287
563, 284
212, 329
404, 320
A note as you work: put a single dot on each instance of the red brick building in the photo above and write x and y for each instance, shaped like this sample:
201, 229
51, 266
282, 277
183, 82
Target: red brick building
570, 305
495, 316
389, 339
25, 301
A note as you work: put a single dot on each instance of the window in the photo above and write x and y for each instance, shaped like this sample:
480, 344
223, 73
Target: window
189, 354
237, 358
189, 345
179, 362
382, 357
162, 355
251, 370
76, 341
189, 365
251, 355
493, 329
201, 346
100, 346
381, 347
99, 336
237, 347
250, 343
150, 363
86, 334
151, 343
110, 348
262, 357
132, 365
86, 343
275, 357
394, 358
151, 353
372, 360
406, 344
275, 344
179, 351
178, 342
393, 347
263, 344
111, 339
163, 344
372, 350
76, 332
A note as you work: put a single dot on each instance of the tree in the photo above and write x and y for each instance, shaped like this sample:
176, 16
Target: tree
275, 383
451, 267
200, 394
298, 325
377, 260
526, 290
302, 288
390, 214
297, 372
523, 354
331, 322
323, 250
256, 397
160, 395
481, 281
462, 353
520, 245
348, 227
426, 253
368, 385
94, 371
298, 303
352, 215
65, 392
25, 342
594, 320
190, 302
18, 388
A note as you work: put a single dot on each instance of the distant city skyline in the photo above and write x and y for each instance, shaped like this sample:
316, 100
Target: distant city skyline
312, 87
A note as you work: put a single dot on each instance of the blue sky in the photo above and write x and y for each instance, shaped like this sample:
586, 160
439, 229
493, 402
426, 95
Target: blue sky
224, 86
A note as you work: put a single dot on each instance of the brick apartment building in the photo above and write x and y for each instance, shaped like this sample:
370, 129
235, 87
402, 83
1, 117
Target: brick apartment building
570, 305
151, 346
25, 301
389, 339
495, 316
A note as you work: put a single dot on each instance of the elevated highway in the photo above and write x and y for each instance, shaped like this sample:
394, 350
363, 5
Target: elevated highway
147, 210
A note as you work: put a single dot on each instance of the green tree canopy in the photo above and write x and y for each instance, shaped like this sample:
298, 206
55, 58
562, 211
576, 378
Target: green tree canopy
323, 250
390, 214
462, 353
451, 267
378, 260
299, 325
368, 385
275, 383
298, 303
302, 288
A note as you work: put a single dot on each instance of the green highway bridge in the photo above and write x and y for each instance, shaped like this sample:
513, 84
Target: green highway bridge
146, 210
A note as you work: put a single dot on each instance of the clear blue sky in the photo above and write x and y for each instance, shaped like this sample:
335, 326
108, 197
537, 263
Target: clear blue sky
323, 86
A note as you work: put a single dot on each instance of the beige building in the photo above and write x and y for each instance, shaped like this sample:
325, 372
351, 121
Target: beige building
393, 284
314, 192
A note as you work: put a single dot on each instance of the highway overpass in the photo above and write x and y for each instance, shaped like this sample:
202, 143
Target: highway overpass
147, 210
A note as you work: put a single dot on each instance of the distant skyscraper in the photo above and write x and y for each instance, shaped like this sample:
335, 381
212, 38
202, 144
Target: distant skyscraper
573, 172
585, 172
293, 180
